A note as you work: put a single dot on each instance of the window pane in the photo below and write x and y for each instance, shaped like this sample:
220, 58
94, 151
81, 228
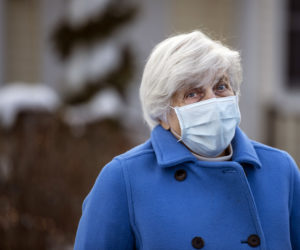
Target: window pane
294, 44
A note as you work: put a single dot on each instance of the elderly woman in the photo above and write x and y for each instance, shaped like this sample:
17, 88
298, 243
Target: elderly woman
199, 182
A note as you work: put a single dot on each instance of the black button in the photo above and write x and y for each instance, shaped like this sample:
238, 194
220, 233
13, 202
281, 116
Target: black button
253, 240
180, 174
198, 243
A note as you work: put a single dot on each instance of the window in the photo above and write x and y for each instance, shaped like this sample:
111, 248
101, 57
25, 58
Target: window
293, 62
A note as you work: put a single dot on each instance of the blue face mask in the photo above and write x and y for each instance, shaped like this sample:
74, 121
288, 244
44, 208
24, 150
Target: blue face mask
207, 127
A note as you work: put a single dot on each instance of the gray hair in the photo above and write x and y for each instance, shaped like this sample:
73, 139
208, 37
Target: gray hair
191, 59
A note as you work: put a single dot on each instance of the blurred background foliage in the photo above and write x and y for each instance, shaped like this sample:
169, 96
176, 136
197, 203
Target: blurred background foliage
54, 143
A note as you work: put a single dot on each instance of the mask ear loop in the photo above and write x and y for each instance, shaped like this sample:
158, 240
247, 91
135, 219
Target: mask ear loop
179, 138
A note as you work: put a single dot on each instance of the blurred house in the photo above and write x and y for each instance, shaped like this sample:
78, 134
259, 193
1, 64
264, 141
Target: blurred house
266, 32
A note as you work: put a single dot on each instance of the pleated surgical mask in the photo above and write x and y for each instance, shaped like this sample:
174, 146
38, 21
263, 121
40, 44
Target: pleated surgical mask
208, 127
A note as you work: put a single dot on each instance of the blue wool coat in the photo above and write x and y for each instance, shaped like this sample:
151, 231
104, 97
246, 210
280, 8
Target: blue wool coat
159, 196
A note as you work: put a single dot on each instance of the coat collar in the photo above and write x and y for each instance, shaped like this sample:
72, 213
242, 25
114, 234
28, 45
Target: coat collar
170, 152
243, 149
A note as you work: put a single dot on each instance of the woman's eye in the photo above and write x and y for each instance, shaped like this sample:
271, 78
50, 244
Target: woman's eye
221, 87
192, 95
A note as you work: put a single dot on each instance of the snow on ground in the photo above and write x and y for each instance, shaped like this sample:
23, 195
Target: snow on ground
16, 97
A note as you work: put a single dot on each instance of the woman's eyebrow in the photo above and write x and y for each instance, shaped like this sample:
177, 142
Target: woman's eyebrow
195, 88
222, 78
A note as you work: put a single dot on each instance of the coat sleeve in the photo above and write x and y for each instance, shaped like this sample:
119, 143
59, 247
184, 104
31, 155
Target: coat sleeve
104, 223
295, 205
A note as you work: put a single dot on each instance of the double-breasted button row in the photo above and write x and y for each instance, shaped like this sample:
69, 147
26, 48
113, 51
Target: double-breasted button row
198, 242
180, 175
253, 240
